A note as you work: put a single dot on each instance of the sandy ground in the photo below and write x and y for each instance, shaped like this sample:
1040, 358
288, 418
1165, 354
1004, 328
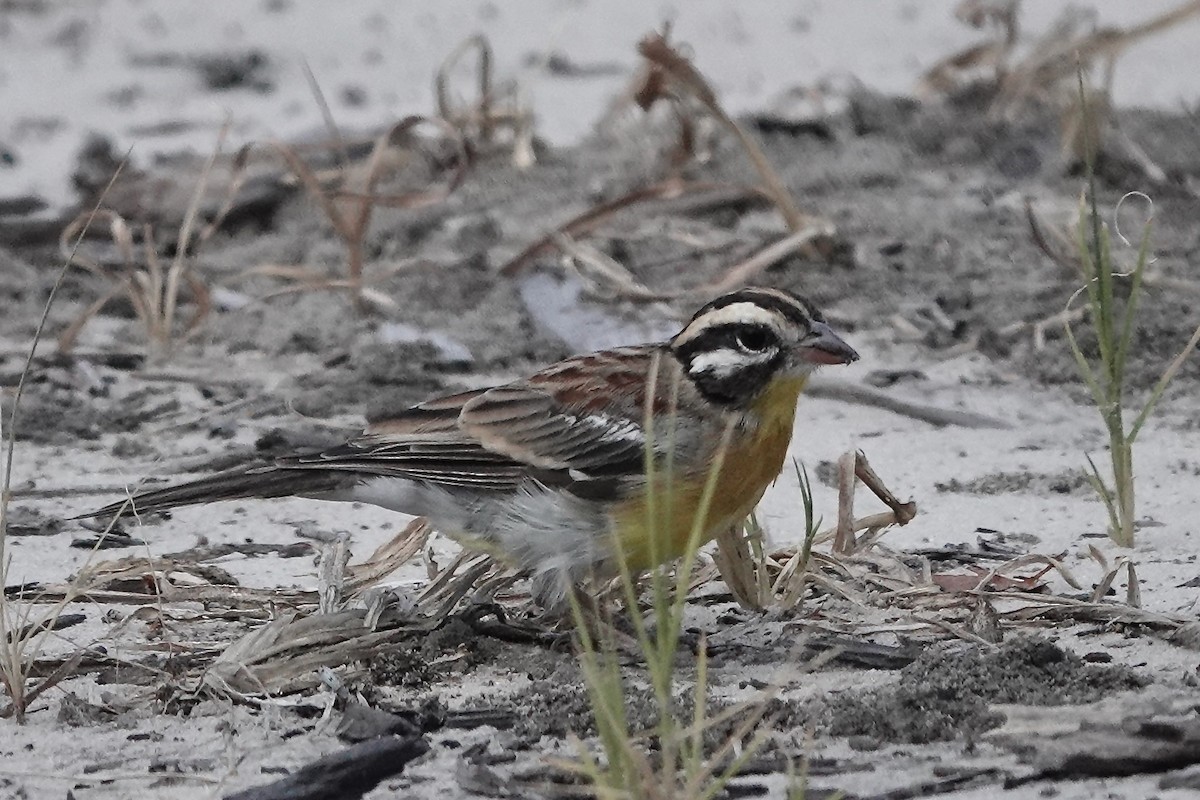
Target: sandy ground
934, 275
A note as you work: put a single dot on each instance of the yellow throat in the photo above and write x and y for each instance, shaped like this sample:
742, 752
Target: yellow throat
655, 527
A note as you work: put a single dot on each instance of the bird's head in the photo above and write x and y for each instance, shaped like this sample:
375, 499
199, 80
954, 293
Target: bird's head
741, 344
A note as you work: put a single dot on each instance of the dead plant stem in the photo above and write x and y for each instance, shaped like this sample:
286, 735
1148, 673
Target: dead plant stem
12, 668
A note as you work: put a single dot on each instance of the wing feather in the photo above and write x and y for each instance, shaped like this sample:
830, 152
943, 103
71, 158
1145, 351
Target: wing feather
422, 443
564, 426
569, 417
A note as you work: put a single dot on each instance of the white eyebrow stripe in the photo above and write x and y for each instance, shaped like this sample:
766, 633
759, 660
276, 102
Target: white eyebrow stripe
725, 361
745, 313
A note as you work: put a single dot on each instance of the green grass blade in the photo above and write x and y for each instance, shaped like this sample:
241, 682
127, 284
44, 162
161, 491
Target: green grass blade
1162, 384
1085, 369
1106, 494
1131, 305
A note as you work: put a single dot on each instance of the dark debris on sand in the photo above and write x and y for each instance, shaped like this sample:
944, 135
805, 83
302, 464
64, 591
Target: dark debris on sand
946, 693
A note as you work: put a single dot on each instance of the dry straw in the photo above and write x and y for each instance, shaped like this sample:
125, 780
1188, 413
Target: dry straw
23, 635
668, 76
153, 287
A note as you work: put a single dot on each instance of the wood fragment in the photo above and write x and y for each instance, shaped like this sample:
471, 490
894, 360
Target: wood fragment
843, 539
904, 512
736, 566
1116, 749
862, 395
345, 775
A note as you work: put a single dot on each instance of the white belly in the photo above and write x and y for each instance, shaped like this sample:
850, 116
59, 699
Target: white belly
558, 537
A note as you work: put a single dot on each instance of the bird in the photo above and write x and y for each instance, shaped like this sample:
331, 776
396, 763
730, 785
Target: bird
608, 461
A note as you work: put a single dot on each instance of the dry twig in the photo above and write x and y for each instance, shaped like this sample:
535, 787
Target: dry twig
152, 288
670, 68
350, 199
495, 109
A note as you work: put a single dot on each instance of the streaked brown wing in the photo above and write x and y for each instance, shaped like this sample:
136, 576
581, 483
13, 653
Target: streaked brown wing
582, 415
435, 459
423, 443
436, 415
576, 425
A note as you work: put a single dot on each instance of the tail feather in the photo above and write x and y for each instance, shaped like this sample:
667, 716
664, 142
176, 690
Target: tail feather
240, 484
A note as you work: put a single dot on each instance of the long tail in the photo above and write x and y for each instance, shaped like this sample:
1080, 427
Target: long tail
238, 484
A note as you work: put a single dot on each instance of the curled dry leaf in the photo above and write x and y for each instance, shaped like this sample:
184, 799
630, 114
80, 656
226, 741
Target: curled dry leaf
971, 580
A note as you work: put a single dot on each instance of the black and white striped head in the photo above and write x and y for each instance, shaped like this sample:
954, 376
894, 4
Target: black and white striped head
736, 345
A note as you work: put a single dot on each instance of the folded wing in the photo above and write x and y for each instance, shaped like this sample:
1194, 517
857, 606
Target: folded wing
548, 428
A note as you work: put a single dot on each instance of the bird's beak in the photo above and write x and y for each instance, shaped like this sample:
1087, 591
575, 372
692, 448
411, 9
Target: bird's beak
823, 346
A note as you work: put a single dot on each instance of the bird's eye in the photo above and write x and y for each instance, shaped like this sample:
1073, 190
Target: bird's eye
753, 340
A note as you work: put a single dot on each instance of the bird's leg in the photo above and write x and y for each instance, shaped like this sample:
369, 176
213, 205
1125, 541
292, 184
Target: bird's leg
589, 612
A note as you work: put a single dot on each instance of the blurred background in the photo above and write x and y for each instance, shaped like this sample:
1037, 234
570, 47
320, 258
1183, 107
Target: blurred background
163, 77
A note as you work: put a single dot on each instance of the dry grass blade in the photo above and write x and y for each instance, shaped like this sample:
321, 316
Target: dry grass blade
154, 291
63, 671
72, 237
395, 137
181, 263
1104, 585
349, 203
604, 276
1133, 591
451, 584
343, 225
481, 114
1058, 607
17, 652
68, 246
669, 66
341, 151
309, 280
736, 566
66, 339
1049, 562
237, 179
955, 631
1062, 251
138, 580
388, 557
285, 655
745, 272
594, 217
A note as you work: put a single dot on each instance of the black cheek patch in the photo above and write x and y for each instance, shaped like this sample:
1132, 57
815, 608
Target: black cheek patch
739, 388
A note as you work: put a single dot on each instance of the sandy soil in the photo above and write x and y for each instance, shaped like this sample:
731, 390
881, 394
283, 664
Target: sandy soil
935, 275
